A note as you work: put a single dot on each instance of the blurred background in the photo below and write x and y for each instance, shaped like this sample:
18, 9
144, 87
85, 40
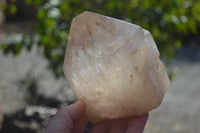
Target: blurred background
33, 38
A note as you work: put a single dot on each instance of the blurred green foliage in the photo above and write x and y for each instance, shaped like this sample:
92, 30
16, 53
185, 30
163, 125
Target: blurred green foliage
169, 21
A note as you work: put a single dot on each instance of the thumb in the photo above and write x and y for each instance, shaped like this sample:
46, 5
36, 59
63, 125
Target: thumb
73, 112
66, 118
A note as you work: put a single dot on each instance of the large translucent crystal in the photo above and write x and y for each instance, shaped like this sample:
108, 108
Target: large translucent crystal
114, 67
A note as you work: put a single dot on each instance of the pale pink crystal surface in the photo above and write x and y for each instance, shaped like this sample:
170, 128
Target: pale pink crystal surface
114, 67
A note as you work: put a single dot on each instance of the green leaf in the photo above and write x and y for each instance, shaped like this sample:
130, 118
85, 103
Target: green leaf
28, 2
41, 14
178, 44
12, 9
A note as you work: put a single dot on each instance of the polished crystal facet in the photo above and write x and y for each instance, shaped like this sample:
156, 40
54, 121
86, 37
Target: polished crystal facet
114, 67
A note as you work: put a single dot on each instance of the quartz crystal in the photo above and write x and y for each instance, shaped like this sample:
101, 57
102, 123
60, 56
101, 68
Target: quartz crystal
114, 67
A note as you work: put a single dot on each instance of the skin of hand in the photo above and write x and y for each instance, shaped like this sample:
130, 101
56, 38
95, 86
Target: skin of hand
72, 119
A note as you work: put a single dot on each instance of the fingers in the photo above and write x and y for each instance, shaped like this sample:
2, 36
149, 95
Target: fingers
127, 125
112, 126
71, 119
80, 126
68, 118
119, 126
75, 111
137, 124
101, 127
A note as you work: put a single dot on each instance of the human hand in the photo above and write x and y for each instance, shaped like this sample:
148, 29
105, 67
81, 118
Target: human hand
72, 119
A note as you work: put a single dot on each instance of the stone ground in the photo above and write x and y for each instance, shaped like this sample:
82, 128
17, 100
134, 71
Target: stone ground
179, 112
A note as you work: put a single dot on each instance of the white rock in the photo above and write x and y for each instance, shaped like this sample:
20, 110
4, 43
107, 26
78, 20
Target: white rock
114, 67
